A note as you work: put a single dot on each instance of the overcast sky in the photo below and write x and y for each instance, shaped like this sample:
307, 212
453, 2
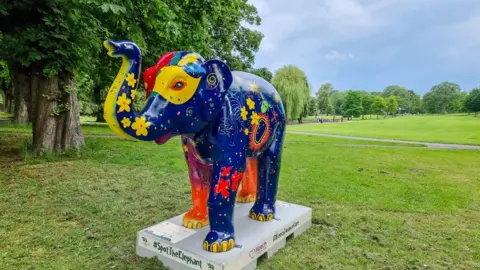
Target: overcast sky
369, 44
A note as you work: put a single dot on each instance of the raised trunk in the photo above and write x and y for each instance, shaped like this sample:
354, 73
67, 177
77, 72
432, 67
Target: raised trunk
56, 125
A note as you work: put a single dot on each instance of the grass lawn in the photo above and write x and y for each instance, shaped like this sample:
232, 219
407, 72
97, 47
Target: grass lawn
373, 207
458, 128
4, 115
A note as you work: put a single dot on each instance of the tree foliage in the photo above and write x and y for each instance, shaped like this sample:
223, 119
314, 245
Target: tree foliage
292, 85
367, 101
402, 95
54, 42
392, 104
472, 102
323, 95
263, 72
379, 105
440, 96
337, 98
312, 106
352, 106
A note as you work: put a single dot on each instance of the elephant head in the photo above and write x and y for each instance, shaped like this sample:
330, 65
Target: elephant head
187, 92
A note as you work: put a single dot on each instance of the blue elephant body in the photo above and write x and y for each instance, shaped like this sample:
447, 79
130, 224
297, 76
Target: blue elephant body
230, 115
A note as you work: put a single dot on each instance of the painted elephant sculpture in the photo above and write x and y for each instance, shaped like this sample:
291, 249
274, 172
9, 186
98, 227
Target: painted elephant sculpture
228, 120
199, 170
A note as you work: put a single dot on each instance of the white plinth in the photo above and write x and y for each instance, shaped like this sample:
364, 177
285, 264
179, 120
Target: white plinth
181, 248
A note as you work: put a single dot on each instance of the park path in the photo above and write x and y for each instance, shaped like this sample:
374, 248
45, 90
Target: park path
428, 144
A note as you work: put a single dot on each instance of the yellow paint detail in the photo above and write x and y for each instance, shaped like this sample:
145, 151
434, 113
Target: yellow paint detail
244, 113
111, 99
250, 103
252, 215
164, 80
205, 245
231, 243
255, 118
124, 103
215, 247
269, 217
133, 94
189, 225
131, 79
187, 59
225, 246
260, 217
140, 126
126, 122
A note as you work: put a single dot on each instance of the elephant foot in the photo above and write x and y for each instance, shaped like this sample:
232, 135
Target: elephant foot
195, 219
218, 242
245, 197
262, 212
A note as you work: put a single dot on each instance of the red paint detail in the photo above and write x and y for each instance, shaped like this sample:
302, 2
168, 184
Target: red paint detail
172, 86
235, 178
222, 187
226, 171
266, 135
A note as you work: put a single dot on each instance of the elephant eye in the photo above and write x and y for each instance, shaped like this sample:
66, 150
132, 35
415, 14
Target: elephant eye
178, 85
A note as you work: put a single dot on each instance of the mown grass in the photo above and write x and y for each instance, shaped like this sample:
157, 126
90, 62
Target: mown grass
5, 115
373, 207
457, 128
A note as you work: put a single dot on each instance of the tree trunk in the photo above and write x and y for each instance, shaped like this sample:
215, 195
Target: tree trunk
97, 98
21, 84
56, 126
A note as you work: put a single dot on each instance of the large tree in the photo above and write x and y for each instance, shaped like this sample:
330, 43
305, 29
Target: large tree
312, 106
337, 98
379, 105
323, 99
367, 100
438, 98
392, 105
47, 42
292, 85
401, 93
472, 102
352, 106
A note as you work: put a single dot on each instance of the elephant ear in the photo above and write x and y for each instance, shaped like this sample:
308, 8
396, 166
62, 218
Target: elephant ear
214, 86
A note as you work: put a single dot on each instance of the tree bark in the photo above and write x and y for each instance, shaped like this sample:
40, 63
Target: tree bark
97, 97
21, 84
56, 126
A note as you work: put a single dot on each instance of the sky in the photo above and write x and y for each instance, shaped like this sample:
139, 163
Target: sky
369, 44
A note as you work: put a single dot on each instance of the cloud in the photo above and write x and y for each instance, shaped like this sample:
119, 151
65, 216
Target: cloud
335, 56
368, 44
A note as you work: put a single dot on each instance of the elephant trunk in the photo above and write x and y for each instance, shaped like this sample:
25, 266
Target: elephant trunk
119, 109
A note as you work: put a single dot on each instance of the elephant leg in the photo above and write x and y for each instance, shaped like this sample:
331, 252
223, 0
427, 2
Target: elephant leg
268, 171
200, 175
226, 178
248, 188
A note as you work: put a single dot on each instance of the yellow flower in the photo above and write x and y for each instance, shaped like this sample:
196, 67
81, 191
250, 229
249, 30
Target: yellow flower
131, 79
255, 118
250, 104
141, 126
185, 148
124, 103
126, 122
244, 113
133, 94
254, 87
245, 131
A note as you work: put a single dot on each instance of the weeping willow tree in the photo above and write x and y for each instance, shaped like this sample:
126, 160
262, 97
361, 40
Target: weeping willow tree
292, 85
